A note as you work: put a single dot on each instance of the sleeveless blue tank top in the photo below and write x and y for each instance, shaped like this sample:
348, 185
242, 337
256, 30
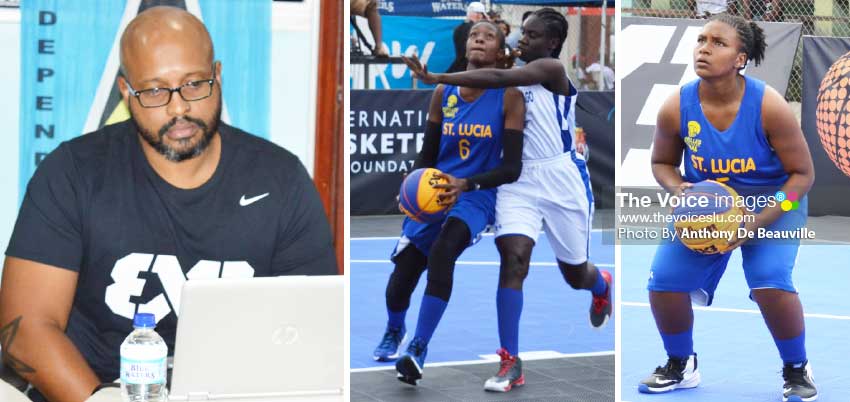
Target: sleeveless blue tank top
471, 140
740, 156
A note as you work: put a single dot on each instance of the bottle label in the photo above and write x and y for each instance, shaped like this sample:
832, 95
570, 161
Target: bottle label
143, 371
143, 364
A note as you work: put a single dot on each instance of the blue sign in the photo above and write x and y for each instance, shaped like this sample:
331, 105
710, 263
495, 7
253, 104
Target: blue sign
423, 8
429, 38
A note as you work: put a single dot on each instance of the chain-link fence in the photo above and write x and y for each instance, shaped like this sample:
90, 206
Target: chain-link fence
819, 17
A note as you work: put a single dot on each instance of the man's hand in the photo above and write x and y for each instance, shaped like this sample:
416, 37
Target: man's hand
451, 189
419, 70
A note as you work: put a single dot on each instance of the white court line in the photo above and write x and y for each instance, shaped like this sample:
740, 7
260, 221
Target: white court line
745, 311
531, 356
484, 235
533, 264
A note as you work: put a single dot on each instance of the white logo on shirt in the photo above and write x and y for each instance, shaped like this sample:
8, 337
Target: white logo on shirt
248, 201
126, 271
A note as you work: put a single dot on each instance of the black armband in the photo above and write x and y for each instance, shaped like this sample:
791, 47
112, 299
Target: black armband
430, 146
510, 168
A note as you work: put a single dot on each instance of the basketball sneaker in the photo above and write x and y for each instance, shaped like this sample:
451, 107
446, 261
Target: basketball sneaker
678, 373
509, 375
387, 350
600, 307
410, 366
799, 384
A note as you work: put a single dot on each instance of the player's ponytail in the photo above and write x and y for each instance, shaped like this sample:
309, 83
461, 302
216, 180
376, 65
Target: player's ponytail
759, 45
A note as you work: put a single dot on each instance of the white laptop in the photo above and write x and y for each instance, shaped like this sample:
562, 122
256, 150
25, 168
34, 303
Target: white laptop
260, 339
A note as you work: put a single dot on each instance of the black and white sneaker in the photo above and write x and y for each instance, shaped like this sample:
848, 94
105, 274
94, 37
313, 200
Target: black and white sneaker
799, 384
678, 373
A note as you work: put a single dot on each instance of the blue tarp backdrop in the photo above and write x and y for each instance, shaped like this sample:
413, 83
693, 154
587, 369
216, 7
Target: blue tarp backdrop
69, 64
432, 39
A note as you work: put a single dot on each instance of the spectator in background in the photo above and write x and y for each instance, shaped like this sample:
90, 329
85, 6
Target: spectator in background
474, 12
607, 75
707, 8
770, 10
369, 9
494, 15
512, 40
585, 80
505, 27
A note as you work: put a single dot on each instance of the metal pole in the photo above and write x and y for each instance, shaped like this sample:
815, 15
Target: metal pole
600, 80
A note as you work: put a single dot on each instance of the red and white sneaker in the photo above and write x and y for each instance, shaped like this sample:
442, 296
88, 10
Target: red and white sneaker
600, 307
509, 375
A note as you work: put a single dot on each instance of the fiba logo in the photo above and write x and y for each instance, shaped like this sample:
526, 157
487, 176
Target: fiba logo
833, 113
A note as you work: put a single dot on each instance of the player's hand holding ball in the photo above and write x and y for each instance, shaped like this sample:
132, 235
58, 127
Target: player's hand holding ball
419, 196
452, 187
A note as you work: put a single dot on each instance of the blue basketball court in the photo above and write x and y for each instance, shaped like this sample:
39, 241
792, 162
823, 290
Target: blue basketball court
737, 356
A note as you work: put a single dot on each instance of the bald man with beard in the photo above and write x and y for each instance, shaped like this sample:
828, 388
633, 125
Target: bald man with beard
114, 221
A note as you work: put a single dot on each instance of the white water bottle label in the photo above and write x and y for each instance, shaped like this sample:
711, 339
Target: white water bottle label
140, 366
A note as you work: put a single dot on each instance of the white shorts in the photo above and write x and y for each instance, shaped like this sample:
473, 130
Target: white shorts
551, 194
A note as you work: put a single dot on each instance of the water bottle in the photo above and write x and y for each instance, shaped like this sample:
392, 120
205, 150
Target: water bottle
143, 362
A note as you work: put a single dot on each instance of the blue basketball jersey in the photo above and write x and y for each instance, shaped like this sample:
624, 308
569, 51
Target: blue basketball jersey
471, 140
740, 156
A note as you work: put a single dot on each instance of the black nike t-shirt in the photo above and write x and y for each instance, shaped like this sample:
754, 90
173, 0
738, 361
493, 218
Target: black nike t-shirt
95, 206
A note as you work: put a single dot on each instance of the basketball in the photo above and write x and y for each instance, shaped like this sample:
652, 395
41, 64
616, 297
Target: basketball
833, 113
418, 198
706, 216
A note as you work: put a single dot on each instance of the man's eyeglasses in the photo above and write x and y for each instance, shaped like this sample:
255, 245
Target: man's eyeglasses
158, 97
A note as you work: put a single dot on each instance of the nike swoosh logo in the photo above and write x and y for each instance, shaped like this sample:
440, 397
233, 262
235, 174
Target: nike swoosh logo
786, 390
248, 201
662, 382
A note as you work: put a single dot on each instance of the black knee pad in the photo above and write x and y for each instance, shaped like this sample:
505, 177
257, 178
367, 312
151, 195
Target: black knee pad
409, 265
453, 239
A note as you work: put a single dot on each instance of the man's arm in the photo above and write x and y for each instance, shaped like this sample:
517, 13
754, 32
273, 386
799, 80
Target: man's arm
35, 301
304, 241
548, 72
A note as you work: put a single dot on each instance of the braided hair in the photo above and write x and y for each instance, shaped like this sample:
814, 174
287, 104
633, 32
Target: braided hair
750, 34
555, 26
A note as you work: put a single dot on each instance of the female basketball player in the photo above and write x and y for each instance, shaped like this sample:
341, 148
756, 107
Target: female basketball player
468, 130
721, 117
553, 191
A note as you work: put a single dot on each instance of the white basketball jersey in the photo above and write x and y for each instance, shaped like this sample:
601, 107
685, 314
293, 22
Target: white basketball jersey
549, 122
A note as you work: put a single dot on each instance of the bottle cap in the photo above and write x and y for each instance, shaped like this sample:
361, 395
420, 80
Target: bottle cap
144, 320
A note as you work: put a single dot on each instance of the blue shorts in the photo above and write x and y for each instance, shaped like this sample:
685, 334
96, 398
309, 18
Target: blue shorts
475, 208
767, 262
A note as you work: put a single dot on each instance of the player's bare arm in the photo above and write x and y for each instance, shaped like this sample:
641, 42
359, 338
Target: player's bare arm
667, 147
548, 72
785, 136
35, 301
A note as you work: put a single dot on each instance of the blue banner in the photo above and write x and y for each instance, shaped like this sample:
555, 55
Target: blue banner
592, 3
430, 38
423, 8
70, 61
